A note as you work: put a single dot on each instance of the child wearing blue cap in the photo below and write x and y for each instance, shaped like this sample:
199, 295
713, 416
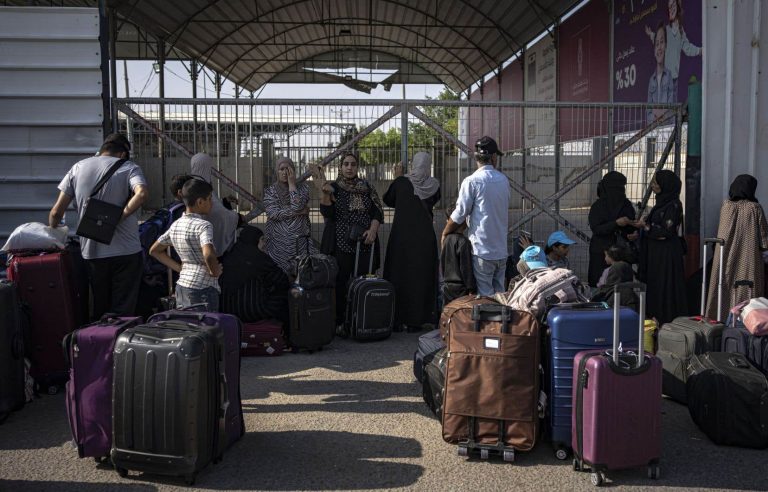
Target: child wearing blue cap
558, 247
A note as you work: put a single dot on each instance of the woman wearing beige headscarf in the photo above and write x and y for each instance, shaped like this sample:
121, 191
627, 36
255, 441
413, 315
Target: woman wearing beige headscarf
286, 205
224, 221
411, 260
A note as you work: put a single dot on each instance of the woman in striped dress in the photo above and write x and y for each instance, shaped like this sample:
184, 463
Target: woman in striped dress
287, 209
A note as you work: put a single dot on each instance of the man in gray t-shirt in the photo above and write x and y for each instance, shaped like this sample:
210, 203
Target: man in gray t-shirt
115, 268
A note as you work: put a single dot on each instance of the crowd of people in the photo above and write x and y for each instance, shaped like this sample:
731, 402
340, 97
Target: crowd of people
471, 256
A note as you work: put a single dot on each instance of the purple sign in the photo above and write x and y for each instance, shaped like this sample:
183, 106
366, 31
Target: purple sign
657, 48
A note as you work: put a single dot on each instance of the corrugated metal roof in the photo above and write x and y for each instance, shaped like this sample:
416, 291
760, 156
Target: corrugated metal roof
455, 42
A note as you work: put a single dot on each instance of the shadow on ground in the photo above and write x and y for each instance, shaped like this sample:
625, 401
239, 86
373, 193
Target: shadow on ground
37, 486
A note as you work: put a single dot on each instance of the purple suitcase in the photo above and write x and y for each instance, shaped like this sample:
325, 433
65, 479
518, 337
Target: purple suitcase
89, 388
616, 420
231, 327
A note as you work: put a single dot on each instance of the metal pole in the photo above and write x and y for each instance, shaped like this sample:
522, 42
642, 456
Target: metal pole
128, 126
404, 133
217, 83
557, 124
112, 34
237, 146
678, 139
250, 141
161, 142
193, 77
611, 164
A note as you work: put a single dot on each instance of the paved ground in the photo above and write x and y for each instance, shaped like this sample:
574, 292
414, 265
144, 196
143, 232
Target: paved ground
350, 417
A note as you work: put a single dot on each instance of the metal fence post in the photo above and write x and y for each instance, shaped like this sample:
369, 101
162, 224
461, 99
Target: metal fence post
237, 144
160, 141
217, 83
678, 139
404, 135
250, 141
193, 77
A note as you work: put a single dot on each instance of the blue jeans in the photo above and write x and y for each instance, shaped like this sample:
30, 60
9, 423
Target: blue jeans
186, 297
489, 275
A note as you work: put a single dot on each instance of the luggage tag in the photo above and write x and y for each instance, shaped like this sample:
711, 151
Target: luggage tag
492, 343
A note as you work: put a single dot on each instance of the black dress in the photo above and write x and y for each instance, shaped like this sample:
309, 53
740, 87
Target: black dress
602, 221
411, 259
661, 264
340, 220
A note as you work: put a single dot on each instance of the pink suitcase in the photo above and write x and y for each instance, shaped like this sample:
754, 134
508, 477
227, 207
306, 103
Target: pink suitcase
616, 420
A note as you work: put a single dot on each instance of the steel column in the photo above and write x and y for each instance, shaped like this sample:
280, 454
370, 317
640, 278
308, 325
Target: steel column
217, 83
161, 142
193, 77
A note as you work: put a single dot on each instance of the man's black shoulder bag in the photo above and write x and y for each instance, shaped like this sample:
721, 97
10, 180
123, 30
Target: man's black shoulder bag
100, 218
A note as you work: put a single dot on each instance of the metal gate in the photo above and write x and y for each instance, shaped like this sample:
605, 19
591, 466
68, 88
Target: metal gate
555, 153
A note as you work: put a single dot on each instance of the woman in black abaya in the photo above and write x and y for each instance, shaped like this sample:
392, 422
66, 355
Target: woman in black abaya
661, 263
411, 260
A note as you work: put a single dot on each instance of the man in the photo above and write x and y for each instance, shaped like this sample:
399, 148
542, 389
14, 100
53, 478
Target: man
558, 247
114, 269
484, 201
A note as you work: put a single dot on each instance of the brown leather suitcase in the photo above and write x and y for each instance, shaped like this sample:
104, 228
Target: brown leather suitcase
492, 378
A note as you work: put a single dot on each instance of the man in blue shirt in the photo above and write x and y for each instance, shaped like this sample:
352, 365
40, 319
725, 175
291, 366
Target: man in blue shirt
484, 202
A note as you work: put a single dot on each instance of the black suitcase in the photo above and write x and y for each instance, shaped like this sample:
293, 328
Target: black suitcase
12, 395
169, 399
312, 314
738, 340
433, 388
685, 337
370, 305
429, 344
728, 399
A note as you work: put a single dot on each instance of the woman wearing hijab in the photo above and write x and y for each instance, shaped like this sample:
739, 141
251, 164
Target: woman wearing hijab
224, 221
353, 212
411, 259
610, 216
661, 262
743, 226
286, 205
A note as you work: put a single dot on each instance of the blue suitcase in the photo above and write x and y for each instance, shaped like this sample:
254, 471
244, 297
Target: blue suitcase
571, 329
429, 344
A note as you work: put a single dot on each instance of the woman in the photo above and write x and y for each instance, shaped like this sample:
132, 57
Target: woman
353, 212
224, 221
287, 212
661, 263
743, 226
411, 259
610, 216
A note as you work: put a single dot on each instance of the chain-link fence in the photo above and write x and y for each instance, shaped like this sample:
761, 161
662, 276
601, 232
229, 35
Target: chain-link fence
554, 153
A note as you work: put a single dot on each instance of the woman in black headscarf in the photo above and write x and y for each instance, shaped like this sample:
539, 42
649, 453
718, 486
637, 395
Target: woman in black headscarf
743, 226
661, 262
611, 216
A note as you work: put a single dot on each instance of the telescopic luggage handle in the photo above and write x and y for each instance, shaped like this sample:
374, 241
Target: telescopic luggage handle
714, 241
357, 256
640, 287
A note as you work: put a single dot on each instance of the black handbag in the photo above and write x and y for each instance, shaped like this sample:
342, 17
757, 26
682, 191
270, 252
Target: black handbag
100, 218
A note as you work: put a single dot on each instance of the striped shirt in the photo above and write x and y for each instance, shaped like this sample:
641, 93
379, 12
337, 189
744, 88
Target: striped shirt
188, 235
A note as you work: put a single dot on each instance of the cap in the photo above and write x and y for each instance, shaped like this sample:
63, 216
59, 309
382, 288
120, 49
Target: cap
534, 257
487, 146
559, 237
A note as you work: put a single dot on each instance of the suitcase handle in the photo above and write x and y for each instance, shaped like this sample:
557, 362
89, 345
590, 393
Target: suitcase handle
641, 288
499, 313
738, 363
357, 257
713, 241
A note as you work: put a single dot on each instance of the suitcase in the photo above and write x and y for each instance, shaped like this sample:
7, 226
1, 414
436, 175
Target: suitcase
232, 330
617, 406
429, 344
312, 317
44, 284
89, 389
262, 338
728, 399
433, 388
170, 399
314, 271
370, 305
492, 379
572, 328
12, 395
738, 340
684, 337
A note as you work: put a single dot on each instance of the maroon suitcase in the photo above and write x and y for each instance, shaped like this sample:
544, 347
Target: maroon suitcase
616, 420
44, 283
262, 338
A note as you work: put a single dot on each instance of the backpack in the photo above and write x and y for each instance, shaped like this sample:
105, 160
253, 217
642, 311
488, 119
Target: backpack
150, 230
543, 287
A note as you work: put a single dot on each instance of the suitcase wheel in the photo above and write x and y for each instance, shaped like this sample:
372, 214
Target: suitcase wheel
484, 454
189, 480
52, 390
121, 471
463, 451
597, 478
654, 472
509, 455
576, 465
561, 453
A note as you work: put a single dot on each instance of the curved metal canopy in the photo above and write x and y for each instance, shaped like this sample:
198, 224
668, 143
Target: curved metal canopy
455, 42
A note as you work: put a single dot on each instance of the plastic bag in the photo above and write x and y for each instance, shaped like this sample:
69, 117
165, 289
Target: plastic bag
34, 235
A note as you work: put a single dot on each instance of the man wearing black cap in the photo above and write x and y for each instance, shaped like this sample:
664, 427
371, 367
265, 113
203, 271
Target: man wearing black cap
484, 202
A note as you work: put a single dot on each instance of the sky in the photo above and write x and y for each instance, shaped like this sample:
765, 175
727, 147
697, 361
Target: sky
143, 82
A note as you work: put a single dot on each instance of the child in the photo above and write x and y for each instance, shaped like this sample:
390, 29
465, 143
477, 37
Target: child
456, 266
192, 238
177, 183
558, 247
618, 272
613, 254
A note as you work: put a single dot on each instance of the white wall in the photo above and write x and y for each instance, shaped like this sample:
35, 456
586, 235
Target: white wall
735, 104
